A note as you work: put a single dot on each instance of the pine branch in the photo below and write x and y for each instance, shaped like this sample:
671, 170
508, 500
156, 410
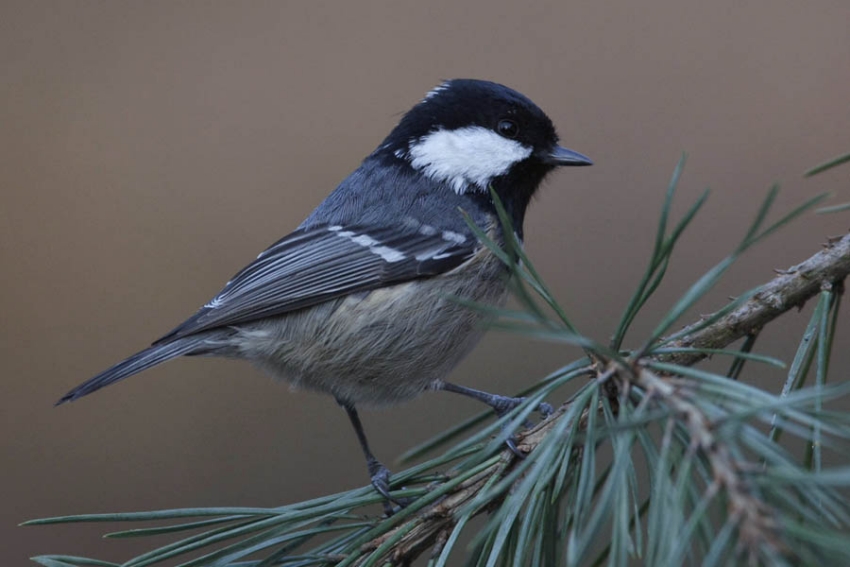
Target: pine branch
792, 288
744, 508
789, 289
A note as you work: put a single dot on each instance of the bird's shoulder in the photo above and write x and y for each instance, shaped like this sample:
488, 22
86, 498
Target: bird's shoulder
385, 190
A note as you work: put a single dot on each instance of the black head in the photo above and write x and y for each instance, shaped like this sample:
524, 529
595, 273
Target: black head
471, 134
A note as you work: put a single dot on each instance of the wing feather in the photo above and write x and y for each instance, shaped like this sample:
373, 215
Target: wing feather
312, 266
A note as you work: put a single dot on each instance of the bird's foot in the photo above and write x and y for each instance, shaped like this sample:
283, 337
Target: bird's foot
504, 404
500, 404
380, 477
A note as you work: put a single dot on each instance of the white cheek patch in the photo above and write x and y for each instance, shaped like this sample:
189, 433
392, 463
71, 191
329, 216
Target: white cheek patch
466, 158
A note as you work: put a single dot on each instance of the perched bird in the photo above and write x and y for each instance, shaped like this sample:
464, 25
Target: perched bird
360, 301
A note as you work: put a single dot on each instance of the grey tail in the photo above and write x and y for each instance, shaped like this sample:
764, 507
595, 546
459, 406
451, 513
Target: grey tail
137, 363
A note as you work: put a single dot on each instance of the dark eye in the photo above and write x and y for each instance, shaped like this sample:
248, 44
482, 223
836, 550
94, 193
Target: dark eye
507, 128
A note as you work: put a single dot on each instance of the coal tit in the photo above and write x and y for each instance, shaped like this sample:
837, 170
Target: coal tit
359, 302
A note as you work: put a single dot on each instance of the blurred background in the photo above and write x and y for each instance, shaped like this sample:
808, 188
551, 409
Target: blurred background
149, 150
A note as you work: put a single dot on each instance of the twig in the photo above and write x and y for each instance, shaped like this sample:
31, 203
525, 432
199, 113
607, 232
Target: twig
744, 508
791, 288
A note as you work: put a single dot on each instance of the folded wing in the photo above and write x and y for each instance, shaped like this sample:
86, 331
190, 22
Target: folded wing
312, 266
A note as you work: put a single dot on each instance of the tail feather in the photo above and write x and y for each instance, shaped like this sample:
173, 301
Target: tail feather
137, 363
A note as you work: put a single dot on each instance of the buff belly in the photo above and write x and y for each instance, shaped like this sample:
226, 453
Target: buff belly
379, 347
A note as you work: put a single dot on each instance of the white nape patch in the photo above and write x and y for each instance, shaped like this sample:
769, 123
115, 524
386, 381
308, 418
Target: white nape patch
466, 158
386, 253
436, 90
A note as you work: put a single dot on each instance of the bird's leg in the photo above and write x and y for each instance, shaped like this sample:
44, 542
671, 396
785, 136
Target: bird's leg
500, 404
378, 473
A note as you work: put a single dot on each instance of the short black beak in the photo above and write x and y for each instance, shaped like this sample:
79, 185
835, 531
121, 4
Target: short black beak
562, 156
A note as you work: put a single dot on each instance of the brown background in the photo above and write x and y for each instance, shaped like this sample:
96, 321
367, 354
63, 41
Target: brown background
149, 150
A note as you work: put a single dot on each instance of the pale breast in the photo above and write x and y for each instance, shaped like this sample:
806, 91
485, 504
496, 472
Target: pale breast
382, 346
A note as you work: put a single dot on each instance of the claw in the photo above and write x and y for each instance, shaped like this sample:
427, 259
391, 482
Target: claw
501, 405
511, 444
506, 405
380, 477
545, 410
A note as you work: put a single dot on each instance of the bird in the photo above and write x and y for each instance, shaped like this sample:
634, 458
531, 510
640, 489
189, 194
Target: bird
368, 299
